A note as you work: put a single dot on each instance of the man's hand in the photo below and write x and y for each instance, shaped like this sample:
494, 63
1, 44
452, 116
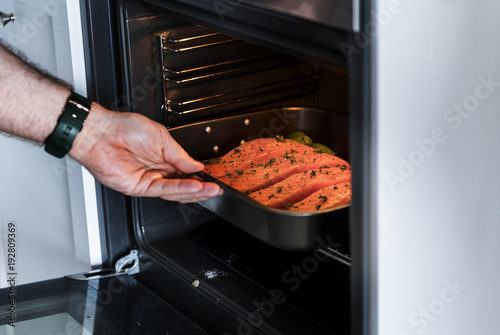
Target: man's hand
138, 157
127, 152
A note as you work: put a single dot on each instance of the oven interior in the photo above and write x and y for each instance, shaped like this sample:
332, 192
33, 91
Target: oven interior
180, 73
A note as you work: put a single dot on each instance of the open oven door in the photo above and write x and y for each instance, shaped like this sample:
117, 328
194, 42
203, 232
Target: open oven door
107, 305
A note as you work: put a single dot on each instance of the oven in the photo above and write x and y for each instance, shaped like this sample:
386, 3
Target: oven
215, 78
407, 91
217, 74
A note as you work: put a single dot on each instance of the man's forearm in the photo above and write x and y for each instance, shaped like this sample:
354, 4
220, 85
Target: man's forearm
124, 151
30, 103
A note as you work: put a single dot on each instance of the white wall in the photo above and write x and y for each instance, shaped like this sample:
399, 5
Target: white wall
437, 177
49, 200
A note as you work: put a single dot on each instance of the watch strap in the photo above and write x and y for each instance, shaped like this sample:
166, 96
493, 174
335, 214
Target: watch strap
69, 124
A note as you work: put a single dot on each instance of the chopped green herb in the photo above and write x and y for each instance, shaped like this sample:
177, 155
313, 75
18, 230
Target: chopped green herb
313, 173
247, 192
280, 138
335, 188
260, 149
287, 207
239, 172
269, 197
318, 206
289, 155
270, 162
324, 197
266, 176
237, 150
341, 167
213, 161
280, 189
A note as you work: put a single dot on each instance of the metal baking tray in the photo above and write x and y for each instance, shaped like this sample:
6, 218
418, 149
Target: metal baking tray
281, 229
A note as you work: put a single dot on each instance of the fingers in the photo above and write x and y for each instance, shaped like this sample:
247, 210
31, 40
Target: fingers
183, 190
174, 154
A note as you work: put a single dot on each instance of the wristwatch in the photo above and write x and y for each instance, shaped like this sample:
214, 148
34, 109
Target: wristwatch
69, 124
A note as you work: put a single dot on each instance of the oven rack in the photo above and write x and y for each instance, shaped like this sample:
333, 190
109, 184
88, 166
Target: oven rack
336, 255
239, 97
205, 73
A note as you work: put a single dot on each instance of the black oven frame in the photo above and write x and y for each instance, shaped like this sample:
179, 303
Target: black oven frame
104, 77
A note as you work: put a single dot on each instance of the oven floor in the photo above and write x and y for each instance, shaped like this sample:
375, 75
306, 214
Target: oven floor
273, 291
311, 282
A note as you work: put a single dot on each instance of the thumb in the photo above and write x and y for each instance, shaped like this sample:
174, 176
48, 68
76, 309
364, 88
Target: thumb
174, 154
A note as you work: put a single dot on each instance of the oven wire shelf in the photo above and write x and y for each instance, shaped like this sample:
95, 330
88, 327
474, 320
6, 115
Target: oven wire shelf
206, 73
336, 255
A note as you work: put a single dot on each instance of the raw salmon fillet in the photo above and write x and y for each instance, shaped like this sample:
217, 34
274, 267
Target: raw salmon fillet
280, 173
328, 197
300, 185
238, 158
286, 161
250, 154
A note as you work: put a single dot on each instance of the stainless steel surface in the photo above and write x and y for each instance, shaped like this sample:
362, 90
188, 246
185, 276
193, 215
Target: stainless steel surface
128, 264
316, 31
281, 229
6, 18
336, 13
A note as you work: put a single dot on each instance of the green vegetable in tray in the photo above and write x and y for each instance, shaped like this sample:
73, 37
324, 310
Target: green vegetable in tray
300, 137
323, 148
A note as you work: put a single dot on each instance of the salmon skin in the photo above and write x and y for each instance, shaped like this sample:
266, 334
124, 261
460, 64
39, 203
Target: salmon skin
300, 185
278, 172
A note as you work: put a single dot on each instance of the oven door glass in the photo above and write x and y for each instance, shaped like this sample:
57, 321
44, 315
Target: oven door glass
113, 305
